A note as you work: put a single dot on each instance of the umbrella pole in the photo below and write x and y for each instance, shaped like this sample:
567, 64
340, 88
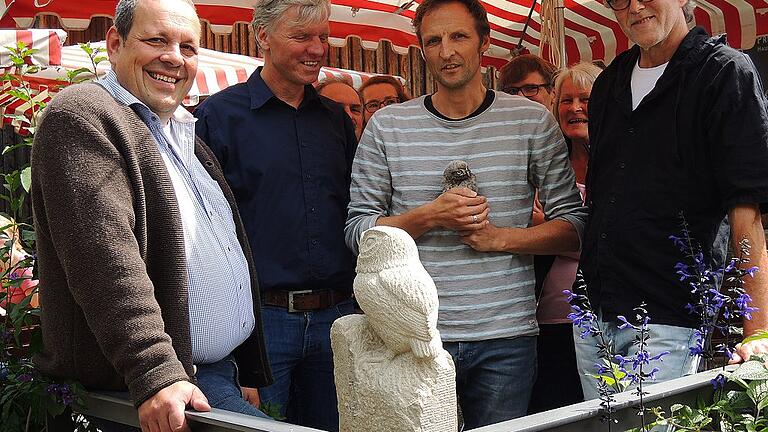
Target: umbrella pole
560, 33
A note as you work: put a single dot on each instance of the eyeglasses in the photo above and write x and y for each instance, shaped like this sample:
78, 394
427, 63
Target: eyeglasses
528, 90
618, 5
374, 105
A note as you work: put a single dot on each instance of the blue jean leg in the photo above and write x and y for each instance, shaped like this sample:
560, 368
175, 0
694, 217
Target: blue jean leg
299, 351
494, 378
676, 340
218, 382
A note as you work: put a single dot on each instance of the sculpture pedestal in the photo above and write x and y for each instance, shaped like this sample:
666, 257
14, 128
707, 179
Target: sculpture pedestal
379, 390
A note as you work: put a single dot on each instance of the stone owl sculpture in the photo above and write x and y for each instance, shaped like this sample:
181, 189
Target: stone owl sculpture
458, 174
397, 295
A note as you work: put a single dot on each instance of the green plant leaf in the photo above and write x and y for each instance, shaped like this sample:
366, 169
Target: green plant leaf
26, 178
272, 409
19, 94
750, 370
757, 391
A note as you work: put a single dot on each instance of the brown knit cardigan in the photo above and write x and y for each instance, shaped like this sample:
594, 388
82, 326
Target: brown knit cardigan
110, 251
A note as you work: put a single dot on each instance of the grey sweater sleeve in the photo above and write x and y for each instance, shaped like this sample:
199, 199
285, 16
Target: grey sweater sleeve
371, 188
551, 172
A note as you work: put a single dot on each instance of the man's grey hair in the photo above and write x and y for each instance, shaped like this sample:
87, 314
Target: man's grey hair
124, 13
266, 13
328, 80
688, 8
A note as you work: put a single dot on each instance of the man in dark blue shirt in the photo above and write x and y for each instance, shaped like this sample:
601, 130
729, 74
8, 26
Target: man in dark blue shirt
287, 154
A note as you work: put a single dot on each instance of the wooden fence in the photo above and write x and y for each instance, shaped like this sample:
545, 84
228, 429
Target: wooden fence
352, 55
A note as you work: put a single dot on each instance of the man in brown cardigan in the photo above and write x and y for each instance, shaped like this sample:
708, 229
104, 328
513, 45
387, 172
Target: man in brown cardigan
146, 277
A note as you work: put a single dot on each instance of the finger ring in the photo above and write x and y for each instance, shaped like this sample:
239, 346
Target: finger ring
474, 218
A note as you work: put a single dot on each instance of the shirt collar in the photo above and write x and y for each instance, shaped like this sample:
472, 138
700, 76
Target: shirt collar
113, 86
261, 93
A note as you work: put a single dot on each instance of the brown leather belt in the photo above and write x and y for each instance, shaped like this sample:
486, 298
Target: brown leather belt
300, 301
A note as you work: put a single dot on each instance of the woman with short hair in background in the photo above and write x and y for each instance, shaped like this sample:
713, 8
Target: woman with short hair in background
556, 353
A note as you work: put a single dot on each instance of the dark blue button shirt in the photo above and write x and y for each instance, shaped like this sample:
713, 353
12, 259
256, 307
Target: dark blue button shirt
290, 171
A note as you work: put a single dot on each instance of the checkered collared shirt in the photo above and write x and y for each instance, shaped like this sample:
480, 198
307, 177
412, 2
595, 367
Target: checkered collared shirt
220, 302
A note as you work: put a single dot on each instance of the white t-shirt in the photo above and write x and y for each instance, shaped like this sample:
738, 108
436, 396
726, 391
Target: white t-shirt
644, 80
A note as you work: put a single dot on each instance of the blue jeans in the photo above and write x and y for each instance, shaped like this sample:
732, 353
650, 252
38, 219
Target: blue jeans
494, 378
676, 340
219, 383
299, 351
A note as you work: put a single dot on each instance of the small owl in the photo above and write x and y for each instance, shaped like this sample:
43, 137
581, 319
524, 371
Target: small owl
397, 295
458, 174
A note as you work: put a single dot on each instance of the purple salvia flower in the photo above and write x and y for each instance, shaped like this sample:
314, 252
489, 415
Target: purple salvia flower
742, 304
24, 378
62, 392
718, 382
646, 320
652, 374
625, 324
717, 298
570, 296
698, 347
678, 241
729, 352
621, 360
601, 368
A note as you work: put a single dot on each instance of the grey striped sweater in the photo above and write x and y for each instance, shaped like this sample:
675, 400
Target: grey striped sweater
514, 147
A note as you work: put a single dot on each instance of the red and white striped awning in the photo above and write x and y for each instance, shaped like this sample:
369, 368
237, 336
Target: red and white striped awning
591, 32
18, 112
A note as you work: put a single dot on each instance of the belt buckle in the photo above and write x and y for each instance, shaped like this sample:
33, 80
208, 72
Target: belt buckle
291, 294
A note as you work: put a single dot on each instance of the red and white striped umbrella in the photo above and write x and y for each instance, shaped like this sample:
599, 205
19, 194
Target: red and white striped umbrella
591, 32
4, 5
47, 43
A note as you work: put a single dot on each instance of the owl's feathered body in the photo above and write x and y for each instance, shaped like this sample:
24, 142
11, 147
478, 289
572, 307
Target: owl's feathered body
396, 292
458, 174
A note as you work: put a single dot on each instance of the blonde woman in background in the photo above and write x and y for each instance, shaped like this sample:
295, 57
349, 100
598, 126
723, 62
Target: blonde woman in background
556, 355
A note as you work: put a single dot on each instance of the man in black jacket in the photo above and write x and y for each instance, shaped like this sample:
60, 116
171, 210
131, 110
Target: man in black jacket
678, 129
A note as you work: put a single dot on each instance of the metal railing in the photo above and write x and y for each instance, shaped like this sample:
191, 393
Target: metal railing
115, 407
579, 417
586, 416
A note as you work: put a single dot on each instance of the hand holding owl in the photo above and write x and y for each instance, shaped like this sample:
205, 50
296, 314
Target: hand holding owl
459, 207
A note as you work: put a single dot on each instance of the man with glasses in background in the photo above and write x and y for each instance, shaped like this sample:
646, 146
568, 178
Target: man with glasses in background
344, 94
530, 76
381, 91
678, 129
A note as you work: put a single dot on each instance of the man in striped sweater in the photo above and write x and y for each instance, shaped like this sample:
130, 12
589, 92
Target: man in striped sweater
476, 246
